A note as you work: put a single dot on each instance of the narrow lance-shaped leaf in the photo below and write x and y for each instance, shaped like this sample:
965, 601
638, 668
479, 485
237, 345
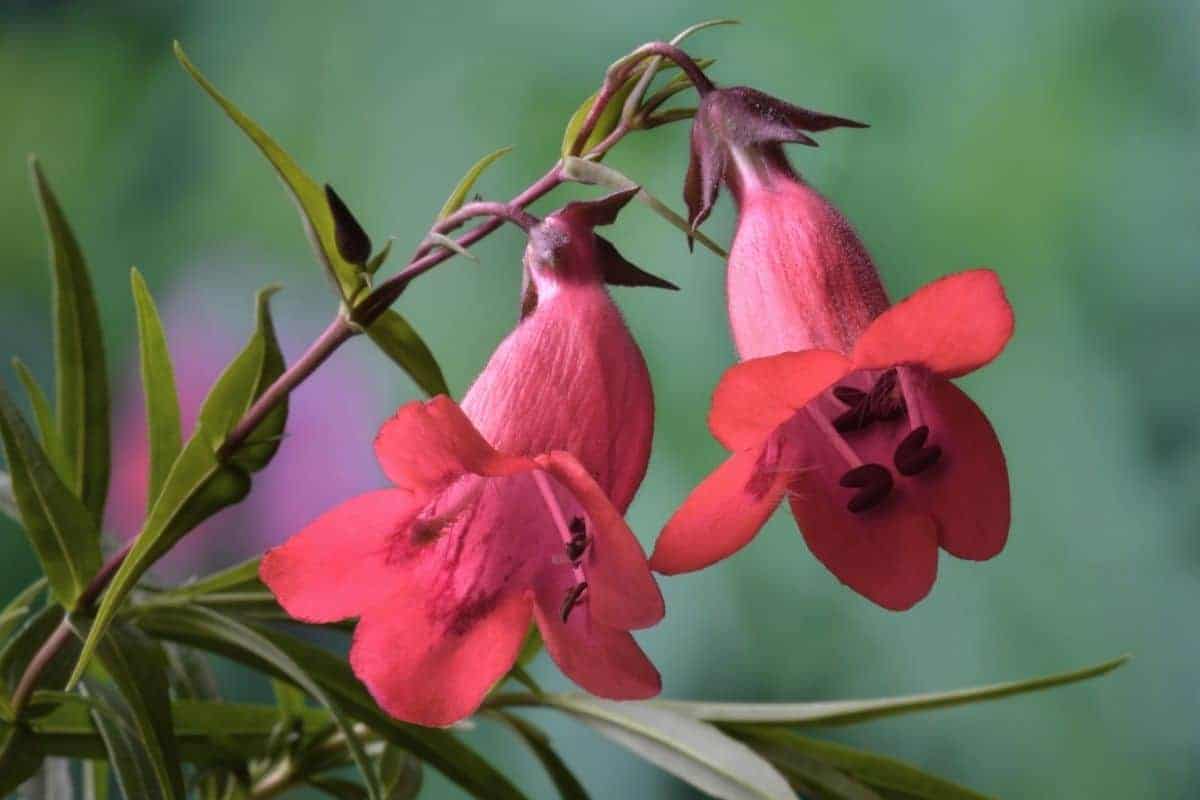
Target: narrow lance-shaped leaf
798, 754
60, 529
401, 343
376, 261
80, 371
401, 774
457, 197
568, 786
158, 386
43, 415
245, 379
144, 752
237, 635
309, 196
200, 484
685, 747
8, 501
439, 748
846, 712
19, 607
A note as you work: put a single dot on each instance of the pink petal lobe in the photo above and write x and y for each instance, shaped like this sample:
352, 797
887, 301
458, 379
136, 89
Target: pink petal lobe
605, 661
967, 490
723, 513
887, 554
339, 565
757, 396
622, 593
952, 326
422, 672
426, 446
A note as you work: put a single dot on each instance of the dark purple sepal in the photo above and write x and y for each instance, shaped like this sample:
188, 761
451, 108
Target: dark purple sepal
620, 272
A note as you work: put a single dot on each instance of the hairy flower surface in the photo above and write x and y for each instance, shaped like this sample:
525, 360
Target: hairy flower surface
881, 457
506, 510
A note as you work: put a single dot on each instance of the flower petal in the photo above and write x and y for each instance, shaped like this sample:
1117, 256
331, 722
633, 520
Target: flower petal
887, 554
952, 326
723, 513
605, 661
622, 593
422, 672
427, 445
338, 566
757, 396
967, 489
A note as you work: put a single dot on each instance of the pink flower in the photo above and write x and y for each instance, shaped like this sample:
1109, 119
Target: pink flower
505, 511
828, 430
844, 405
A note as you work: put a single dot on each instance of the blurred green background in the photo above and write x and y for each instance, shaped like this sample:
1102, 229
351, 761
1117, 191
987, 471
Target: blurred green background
1055, 142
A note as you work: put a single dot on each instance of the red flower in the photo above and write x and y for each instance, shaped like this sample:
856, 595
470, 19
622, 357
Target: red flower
881, 457
508, 512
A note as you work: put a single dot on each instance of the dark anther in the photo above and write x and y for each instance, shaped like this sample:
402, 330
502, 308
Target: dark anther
577, 547
848, 395
873, 482
886, 403
854, 419
572, 599
577, 526
912, 456
352, 241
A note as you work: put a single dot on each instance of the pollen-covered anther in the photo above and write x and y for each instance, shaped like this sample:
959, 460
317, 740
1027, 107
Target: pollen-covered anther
849, 395
884, 400
912, 455
874, 483
573, 598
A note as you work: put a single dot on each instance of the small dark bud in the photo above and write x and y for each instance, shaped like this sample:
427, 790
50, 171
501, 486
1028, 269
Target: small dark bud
352, 241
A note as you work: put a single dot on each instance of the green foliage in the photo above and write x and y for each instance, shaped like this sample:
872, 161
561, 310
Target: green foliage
20, 758
404, 346
61, 530
457, 197
133, 715
43, 415
81, 377
309, 196
165, 432
568, 786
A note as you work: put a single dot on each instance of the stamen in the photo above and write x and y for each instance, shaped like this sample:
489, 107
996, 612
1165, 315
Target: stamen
564, 530
874, 483
912, 456
854, 419
883, 401
911, 396
426, 529
849, 395
840, 444
573, 598
579, 540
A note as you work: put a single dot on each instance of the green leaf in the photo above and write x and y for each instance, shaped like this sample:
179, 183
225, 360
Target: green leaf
139, 704
81, 375
61, 530
376, 261
605, 124
439, 748
401, 773
847, 712
234, 634
20, 758
95, 780
197, 487
793, 753
242, 382
158, 385
136, 769
8, 501
19, 607
238, 578
685, 747
403, 345
568, 786
20, 649
309, 196
288, 698
457, 197
43, 415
